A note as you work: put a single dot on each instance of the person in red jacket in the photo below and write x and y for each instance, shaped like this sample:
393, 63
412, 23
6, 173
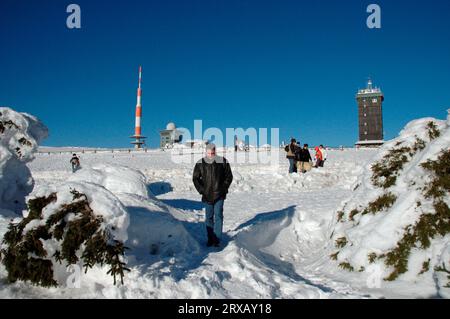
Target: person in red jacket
319, 158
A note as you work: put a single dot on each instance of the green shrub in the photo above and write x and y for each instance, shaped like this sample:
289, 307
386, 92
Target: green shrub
419, 145
341, 242
7, 124
372, 257
444, 269
425, 267
334, 256
384, 172
433, 131
353, 213
26, 259
346, 266
420, 235
383, 202
440, 168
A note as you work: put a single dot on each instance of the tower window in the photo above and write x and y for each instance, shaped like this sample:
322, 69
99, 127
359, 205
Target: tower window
374, 100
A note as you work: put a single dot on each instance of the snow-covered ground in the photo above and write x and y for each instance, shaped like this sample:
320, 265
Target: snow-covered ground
278, 230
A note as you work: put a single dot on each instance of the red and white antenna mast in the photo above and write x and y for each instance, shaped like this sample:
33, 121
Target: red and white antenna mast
139, 140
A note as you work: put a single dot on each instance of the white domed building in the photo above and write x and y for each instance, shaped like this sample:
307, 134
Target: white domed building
170, 136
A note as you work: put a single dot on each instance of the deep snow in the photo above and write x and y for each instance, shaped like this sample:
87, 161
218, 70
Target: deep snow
278, 230
20, 134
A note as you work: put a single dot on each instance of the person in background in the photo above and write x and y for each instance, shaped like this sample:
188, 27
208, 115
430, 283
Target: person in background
212, 178
291, 150
304, 163
318, 157
324, 155
75, 161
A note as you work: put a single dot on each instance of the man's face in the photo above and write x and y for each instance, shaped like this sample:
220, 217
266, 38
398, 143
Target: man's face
211, 153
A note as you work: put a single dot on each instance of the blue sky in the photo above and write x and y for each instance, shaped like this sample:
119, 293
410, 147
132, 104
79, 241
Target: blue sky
293, 64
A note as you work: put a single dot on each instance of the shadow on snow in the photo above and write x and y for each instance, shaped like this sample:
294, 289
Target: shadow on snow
253, 235
160, 188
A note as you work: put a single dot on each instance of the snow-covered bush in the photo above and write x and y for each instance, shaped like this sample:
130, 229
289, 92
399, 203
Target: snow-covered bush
68, 224
78, 222
399, 215
20, 134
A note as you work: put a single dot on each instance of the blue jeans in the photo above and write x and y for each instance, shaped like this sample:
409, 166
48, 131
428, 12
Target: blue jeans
214, 218
292, 168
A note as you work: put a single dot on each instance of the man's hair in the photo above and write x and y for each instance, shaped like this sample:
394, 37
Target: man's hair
74, 155
321, 145
306, 145
293, 140
211, 147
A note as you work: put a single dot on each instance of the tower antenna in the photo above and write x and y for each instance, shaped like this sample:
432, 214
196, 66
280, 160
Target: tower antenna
139, 140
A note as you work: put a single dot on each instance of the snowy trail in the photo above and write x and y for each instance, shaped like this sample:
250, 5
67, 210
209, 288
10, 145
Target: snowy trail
276, 227
270, 244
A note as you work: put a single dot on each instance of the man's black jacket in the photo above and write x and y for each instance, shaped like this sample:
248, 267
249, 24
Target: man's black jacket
304, 155
212, 179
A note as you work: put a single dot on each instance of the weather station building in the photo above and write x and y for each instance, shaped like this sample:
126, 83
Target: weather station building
170, 136
370, 115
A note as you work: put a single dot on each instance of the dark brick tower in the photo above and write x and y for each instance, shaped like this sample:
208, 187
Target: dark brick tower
370, 101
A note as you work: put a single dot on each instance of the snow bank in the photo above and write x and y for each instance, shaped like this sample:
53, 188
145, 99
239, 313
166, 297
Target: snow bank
117, 179
153, 228
153, 231
375, 230
20, 134
157, 229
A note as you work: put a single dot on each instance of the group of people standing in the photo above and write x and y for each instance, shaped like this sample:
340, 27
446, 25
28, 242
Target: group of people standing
300, 160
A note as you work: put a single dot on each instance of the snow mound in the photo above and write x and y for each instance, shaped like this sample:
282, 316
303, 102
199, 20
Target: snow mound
117, 179
396, 226
154, 227
20, 134
154, 233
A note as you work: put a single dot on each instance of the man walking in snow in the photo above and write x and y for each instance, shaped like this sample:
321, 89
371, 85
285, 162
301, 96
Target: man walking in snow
292, 150
212, 178
75, 161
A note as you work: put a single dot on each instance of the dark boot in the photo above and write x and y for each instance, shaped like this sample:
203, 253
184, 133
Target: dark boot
211, 236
